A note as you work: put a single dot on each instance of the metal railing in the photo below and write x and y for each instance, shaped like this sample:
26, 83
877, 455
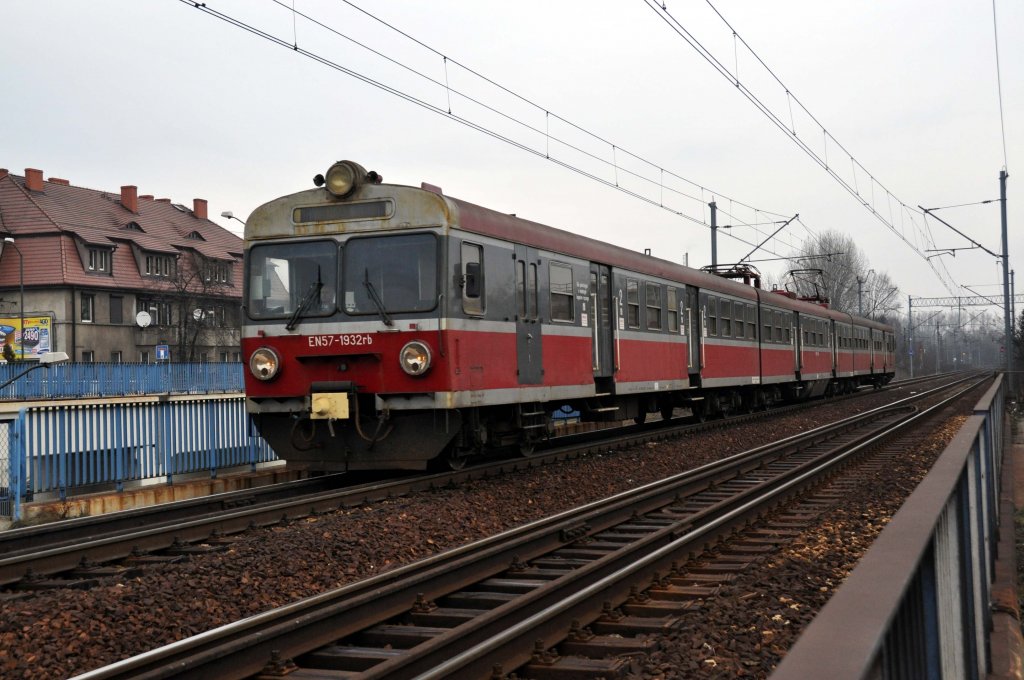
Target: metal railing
74, 448
918, 603
80, 380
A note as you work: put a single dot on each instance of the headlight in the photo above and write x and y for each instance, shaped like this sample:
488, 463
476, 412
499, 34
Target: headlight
264, 363
415, 358
343, 177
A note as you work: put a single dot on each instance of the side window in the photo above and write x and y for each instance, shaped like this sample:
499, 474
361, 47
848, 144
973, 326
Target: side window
766, 326
725, 317
653, 294
779, 335
712, 315
672, 302
739, 314
472, 278
751, 322
531, 292
632, 303
787, 327
561, 292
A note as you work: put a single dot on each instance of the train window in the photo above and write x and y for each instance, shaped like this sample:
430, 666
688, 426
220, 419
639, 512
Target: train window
284, 276
672, 303
387, 274
632, 303
751, 322
739, 314
561, 292
472, 279
531, 292
521, 289
778, 327
787, 327
652, 292
766, 327
725, 317
712, 315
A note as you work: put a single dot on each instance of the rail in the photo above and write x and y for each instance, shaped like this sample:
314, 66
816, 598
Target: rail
918, 603
82, 380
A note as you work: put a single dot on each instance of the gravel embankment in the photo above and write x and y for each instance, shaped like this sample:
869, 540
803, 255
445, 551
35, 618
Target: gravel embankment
60, 633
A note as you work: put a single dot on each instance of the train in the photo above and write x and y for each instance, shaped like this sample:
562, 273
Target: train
395, 327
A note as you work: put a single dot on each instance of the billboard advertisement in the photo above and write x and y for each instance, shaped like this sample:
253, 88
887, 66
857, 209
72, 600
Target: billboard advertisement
30, 341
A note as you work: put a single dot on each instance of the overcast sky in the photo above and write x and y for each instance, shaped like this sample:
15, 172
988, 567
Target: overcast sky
183, 105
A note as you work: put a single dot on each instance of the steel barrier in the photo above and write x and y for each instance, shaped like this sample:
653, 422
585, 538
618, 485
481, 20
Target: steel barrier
76, 448
917, 605
81, 380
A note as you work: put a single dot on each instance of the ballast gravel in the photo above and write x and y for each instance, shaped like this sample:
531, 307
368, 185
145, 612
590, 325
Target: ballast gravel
58, 634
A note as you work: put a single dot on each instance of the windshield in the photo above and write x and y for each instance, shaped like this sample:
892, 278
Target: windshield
388, 274
293, 280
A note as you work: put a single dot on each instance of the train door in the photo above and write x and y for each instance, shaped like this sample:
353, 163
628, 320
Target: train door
528, 328
798, 346
601, 324
694, 336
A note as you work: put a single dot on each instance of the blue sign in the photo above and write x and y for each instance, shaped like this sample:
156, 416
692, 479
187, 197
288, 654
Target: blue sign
163, 353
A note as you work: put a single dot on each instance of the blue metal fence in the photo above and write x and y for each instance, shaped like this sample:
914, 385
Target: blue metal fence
66, 449
71, 381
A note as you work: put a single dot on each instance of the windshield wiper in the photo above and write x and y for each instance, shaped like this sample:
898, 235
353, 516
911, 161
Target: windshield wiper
375, 298
311, 294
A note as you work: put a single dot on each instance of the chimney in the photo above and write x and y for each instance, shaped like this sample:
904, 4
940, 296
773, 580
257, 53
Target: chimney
148, 197
58, 180
130, 198
3, 173
199, 208
33, 179
163, 200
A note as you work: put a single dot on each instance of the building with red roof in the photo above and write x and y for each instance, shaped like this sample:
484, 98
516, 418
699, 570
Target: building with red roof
114, 276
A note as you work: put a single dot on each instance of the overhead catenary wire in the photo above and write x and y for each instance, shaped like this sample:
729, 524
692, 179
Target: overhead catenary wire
619, 171
677, 26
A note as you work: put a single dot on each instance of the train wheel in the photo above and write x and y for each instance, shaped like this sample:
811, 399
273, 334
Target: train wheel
641, 418
455, 460
666, 411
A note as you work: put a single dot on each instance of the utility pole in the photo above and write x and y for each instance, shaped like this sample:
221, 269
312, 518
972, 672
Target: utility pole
910, 323
1006, 282
714, 233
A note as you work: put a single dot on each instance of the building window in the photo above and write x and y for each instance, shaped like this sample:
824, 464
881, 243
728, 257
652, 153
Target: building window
159, 312
217, 272
115, 357
88, 356
88, 307
159, 265
144, 357
561, 292
204, 357
116, 309
98, 260
223, 357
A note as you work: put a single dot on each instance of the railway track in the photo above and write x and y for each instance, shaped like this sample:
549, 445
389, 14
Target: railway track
588, 577
75, 553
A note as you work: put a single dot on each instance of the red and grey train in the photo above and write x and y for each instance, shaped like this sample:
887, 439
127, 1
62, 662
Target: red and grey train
386, 326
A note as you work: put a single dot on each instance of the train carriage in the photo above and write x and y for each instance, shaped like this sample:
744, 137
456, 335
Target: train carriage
388, 325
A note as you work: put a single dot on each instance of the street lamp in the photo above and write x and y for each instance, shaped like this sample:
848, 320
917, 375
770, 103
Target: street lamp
21, 287
231, 216
45, 361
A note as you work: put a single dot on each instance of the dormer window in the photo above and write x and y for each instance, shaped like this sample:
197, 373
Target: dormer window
159, 265
133, 226
217, 271
196, 236
98, 260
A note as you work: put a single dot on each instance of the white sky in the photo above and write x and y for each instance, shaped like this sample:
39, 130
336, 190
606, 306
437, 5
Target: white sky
163, 96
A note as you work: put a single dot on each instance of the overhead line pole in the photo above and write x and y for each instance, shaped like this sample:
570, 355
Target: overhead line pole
1006, 281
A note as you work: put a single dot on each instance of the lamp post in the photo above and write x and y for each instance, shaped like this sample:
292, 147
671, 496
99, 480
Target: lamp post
231, 216
21, 289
